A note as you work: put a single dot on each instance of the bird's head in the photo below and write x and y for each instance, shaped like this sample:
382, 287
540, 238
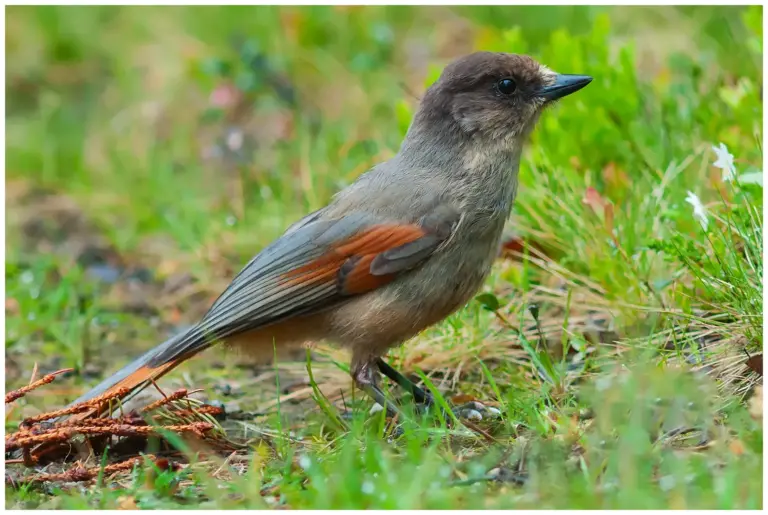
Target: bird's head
495, 95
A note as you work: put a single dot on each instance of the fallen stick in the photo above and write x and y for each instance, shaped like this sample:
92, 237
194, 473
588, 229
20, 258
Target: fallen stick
79, 473
21, 392
62, 434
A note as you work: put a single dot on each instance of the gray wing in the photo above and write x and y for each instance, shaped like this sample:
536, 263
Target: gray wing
313, 266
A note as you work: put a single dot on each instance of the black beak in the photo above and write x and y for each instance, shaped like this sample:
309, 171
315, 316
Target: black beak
564, 85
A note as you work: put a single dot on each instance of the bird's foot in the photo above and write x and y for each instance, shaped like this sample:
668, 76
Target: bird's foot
472, 411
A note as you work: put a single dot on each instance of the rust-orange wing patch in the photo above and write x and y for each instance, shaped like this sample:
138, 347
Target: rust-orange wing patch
349, 262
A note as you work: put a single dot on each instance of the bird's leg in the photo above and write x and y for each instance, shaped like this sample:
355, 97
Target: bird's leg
419, 395
472, 410
365, 378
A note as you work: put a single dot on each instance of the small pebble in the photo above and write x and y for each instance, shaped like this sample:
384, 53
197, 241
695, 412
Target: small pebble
232, 407
473, 415
493, 411
104, 272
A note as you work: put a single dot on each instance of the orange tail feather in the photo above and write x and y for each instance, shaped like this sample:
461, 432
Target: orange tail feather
130, 385
135, 376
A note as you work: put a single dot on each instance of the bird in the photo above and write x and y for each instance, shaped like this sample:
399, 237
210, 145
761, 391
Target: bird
400, 249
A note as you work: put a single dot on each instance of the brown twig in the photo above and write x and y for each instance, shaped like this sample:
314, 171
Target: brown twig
62, 434
488, 437
41, 435
131, 420
29, 460
77, 408
175, 396
128, 420
80, 473
21, 392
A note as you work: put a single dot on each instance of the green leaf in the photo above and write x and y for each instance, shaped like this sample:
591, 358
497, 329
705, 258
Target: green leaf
489, 301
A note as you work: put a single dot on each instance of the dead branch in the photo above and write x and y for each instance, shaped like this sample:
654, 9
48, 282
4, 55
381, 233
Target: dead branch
21, 392
48, 436
76, 408
175, 396
63, 434
79, 473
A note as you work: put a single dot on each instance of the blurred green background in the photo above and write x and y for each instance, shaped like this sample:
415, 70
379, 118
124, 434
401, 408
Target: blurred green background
151, 151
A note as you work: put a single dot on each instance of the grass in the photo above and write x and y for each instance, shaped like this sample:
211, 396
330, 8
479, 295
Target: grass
144, 166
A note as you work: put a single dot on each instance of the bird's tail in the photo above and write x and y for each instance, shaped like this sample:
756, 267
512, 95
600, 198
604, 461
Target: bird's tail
148, 367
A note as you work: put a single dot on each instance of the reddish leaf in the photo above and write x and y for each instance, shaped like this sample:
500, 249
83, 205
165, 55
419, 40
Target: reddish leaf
513, 244
593, 199
736, 447
12, 306
462, 399
224, 96
600, 206
755, 363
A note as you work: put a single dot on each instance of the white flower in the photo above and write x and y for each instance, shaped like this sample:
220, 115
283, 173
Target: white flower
725, 162
699, 211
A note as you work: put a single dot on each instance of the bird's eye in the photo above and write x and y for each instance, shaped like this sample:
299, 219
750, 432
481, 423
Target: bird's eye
506, 86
